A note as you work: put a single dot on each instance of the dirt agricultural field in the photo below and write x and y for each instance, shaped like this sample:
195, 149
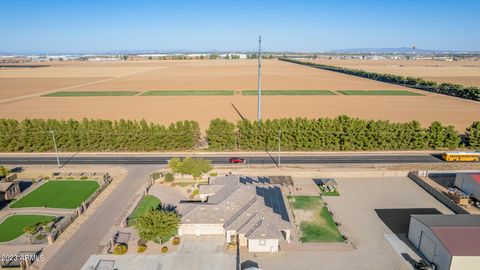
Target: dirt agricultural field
230, 75
466, 73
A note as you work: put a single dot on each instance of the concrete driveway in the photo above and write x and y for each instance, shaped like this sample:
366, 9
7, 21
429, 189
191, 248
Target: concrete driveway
202, 253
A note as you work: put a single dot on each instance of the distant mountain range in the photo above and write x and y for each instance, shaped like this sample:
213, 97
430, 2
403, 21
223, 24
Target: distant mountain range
400, 50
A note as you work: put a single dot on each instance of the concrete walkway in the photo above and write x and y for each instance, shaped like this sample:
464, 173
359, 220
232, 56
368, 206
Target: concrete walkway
84, 242
167, 194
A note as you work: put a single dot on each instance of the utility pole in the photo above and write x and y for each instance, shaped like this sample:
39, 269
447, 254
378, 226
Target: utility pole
55, 145
279, 144
259, 109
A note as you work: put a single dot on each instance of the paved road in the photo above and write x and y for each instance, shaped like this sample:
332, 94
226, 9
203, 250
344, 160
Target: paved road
84, 242
222, 160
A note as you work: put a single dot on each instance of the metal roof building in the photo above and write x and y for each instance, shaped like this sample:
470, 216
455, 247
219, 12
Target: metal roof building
448, 241
469, 183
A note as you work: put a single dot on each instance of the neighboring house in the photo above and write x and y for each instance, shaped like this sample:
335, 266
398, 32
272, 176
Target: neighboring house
246, 211
8, 190
451, 242
469, 183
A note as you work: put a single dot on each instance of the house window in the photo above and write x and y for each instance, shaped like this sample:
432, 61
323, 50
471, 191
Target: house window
262, 242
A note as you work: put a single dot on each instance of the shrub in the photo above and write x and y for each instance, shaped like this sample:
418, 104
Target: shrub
169, 177
176, 241
141, 248
83, 178
45, 178
120, 249
195, 192
142, 242
155, 175
213, 174
191, 197
70, 178
164, 249
173, 184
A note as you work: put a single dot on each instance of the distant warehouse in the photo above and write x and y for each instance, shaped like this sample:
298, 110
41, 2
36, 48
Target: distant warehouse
469, 183
451, 242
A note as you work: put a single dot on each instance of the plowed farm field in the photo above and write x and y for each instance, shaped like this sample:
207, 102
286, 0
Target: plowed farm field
23, 97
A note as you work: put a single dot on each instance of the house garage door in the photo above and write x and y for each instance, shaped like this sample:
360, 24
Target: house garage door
427, 247
209, 229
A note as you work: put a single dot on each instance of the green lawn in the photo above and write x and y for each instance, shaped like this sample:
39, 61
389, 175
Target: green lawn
148, 202
305, 202
323, 230
91, 93
328, 193
58, 194
379, 93
321, 227
12, 227
189, 93
289, 93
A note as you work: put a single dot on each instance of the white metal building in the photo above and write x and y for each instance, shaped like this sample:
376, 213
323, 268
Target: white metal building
451, 242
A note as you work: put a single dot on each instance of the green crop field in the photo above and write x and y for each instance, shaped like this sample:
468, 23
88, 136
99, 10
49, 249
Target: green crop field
148, 202
321, 227
92, 94
189, 93
289, 93
379, 93
12, 227
58, 194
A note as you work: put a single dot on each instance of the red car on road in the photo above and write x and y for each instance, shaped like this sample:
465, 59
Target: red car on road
236, 160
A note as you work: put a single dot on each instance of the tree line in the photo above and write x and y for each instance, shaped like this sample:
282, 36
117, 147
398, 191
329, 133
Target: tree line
342, 133
35, 135
450, 89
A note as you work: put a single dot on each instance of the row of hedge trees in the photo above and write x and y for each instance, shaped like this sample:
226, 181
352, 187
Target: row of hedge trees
342, 133
450, 89
33, 135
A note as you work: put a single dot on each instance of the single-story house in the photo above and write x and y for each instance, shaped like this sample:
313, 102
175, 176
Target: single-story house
246, 211
451, 242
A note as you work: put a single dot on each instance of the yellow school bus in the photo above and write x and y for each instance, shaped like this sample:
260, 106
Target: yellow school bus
461, 156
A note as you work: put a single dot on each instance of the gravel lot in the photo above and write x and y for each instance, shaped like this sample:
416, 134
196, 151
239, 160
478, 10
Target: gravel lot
355, 210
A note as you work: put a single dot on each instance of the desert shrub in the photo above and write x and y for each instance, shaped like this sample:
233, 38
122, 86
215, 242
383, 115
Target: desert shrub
120, 249
155, 175
141, 248
176, 241
142, 242
164, 249
213, 174
169, 177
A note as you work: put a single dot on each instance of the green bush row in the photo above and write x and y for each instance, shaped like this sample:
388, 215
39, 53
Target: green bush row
450, 89
342, 133
33, 135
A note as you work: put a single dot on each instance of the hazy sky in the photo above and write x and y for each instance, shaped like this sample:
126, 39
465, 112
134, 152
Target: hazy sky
79, 26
